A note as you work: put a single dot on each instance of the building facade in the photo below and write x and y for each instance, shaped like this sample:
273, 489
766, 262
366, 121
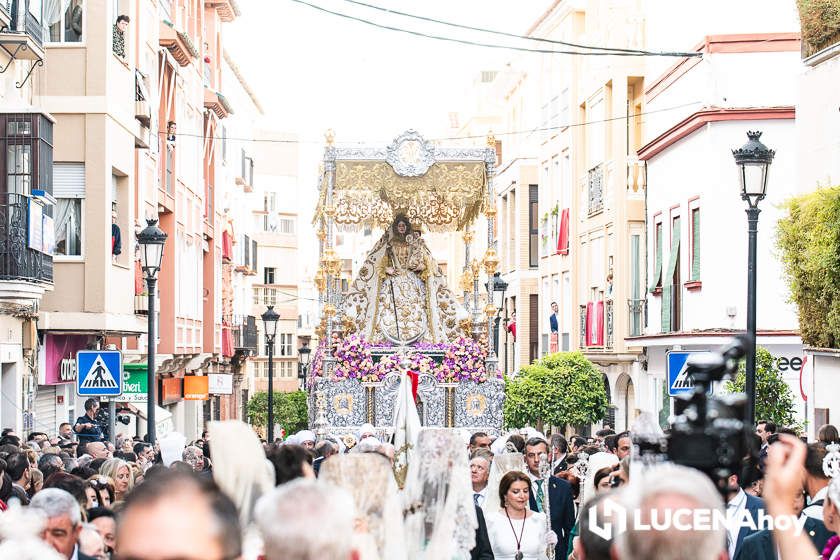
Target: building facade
27, 208
698, 111
137, 116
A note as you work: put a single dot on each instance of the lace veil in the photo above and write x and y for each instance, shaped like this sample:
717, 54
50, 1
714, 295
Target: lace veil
502, 464
369, 479
440, 518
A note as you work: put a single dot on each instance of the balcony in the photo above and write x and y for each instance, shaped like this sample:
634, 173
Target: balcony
228, 10
178, 43
217, 103
636, 316
245, 336
25, 252
636, 182
595, 181
597, 325
21, 36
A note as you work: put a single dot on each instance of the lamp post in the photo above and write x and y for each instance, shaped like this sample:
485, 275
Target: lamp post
151, 240
499, 287
753, 160
304, 353
270, 318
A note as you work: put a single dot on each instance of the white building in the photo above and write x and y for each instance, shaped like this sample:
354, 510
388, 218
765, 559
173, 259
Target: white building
697, 111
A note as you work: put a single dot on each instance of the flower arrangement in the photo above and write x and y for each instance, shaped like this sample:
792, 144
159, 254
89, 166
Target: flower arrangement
463, 360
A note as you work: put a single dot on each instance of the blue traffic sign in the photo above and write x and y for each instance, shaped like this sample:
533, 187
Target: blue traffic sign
99, 373
679, 382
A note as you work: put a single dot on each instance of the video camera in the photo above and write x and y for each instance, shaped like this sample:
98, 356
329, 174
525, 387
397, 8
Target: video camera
709, 434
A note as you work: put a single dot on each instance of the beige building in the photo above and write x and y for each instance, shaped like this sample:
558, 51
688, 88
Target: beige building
26, 205
570, 201
591, 204
137, 120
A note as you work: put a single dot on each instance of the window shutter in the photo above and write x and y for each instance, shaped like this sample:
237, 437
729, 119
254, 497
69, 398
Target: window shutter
666, 308
69, 180
675, 253
695, 244
657, 272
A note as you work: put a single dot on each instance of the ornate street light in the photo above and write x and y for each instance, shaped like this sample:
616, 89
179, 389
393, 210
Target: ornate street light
270, 318
499, 287
151, 240
304, 353
753, 160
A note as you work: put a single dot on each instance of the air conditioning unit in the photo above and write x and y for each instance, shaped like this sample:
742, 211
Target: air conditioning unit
141, 111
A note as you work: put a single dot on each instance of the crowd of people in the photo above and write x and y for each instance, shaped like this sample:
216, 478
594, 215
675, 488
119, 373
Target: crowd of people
518, 496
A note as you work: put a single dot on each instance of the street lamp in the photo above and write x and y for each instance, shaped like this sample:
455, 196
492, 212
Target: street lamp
753, 160
270, 318
304, 353
498, 295
151, 240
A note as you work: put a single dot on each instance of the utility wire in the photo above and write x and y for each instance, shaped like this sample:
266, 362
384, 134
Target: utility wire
509, 133
515, 36
488, 45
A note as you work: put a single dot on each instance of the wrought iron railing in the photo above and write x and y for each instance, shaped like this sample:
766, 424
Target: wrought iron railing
609, 324
596, 189
30, 24
636, 316
18, 261
245, 334
582, 325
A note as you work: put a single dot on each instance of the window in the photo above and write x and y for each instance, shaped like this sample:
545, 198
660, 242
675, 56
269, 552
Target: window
671, 286
69, 192
270, 202
635, 304
287, 225
284, 344
695, 244
65, 26
268, 275
533, 226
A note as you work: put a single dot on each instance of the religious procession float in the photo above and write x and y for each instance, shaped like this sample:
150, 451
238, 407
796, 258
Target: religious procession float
398, 324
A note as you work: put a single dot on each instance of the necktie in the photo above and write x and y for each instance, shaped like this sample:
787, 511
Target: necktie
540, 495
476, 497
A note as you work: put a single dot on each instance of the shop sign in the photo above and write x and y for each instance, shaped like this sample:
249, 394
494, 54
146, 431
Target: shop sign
170, 390
196, 388
220, 383
135, 386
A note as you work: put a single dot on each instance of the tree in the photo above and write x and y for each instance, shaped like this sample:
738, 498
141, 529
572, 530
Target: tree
773, 397
558, 389
290, 410
809, 242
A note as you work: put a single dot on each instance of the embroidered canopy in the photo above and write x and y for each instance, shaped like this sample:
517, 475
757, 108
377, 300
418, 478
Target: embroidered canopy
443, 189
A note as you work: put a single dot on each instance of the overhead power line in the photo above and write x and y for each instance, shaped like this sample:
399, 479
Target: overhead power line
491, 45
515, 36
443, 138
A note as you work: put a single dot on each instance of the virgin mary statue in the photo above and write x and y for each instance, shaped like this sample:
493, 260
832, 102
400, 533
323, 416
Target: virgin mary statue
400, 291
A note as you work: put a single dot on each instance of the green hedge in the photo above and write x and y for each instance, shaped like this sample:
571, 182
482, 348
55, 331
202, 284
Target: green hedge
820, 21
809, 242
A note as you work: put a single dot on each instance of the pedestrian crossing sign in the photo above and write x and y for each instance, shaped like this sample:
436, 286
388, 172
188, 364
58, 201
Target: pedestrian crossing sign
99, 373
679, 381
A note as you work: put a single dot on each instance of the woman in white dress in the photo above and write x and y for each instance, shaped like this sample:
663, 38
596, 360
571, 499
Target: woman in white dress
516, 532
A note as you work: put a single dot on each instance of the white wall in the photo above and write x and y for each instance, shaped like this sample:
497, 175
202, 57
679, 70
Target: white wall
702, 165
818, 126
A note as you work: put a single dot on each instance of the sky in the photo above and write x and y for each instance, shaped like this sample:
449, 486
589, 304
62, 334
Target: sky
313, 71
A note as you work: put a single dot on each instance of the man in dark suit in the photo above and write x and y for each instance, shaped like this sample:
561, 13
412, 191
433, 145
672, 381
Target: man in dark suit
760, 546
739, 504
559, 450
482, 549
562, 509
